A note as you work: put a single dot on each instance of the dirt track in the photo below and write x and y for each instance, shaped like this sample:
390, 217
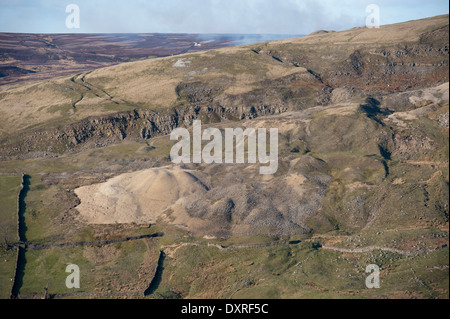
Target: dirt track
387, 249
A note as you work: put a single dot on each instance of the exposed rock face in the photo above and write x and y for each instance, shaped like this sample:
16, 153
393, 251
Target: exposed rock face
411, 147
393, 68
443, 120
382, 68
139, 124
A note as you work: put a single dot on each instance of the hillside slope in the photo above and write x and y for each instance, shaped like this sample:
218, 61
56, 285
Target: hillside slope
230, 83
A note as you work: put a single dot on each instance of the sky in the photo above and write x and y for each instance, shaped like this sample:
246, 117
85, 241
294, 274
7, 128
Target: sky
207, 16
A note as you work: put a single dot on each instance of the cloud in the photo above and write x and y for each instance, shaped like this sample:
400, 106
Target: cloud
208, 16
215, 16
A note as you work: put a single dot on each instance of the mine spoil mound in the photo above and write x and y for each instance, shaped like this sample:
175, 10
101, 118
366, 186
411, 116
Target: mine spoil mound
220, 201
137, 197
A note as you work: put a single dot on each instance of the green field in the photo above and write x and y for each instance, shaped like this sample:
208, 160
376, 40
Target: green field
9, 190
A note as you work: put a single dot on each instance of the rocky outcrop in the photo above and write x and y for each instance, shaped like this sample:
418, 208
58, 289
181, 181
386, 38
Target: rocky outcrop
140, 124
196, 100
443, 120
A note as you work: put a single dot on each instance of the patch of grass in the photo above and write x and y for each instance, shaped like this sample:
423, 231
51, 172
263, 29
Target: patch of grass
9, 190
7, 266
48, 267
118, 274
62, 109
